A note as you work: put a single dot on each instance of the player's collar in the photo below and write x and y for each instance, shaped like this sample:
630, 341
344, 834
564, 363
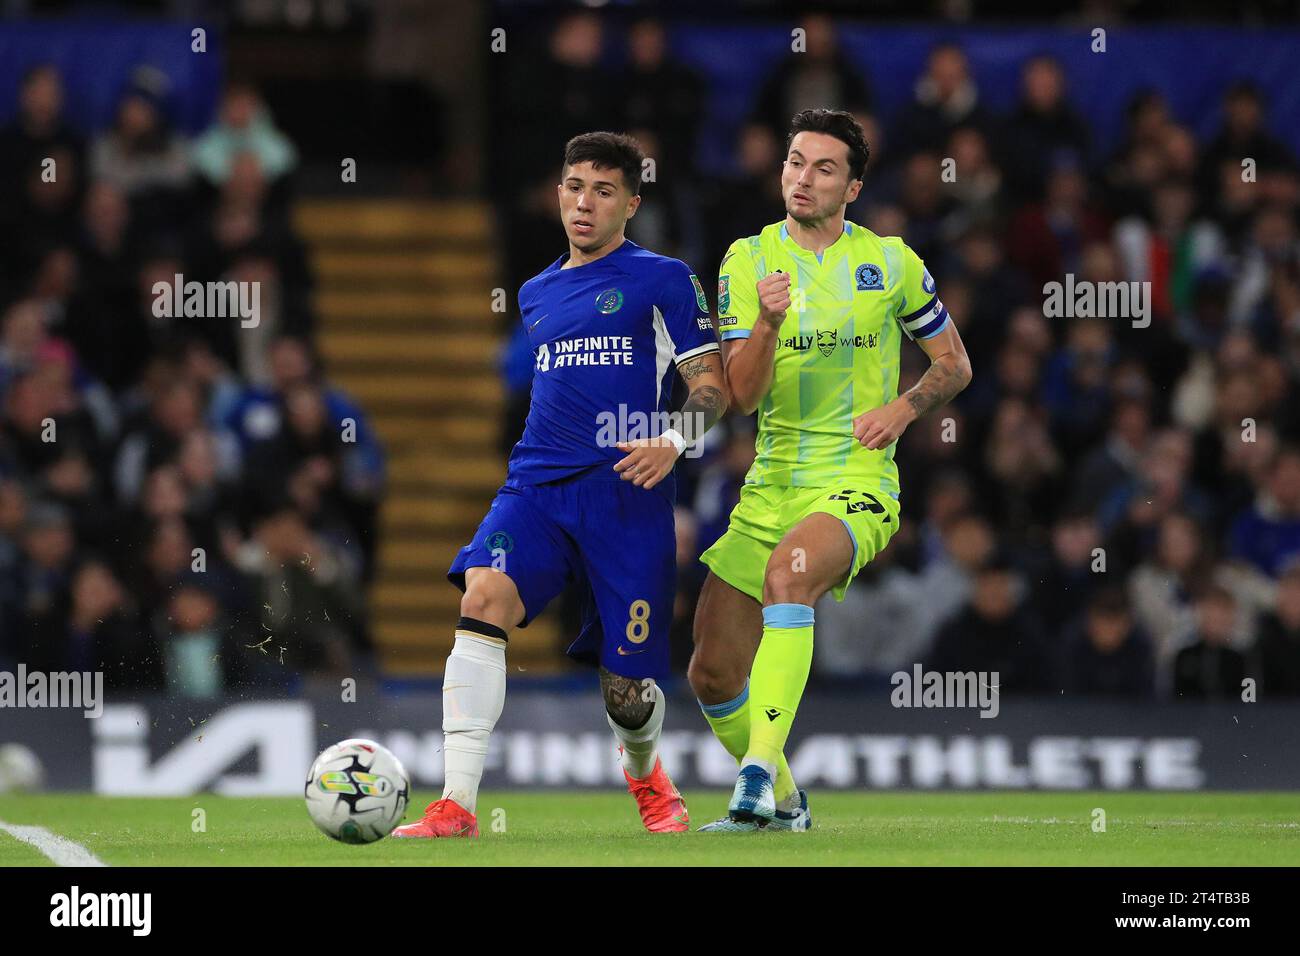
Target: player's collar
785, 236
625, 247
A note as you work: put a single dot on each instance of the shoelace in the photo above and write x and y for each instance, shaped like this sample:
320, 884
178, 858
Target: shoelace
438, 806
753, 786
639, 785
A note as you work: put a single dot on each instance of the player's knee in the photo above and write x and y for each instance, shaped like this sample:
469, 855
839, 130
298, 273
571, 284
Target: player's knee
494, 605
704, 678
713, 681
784, 582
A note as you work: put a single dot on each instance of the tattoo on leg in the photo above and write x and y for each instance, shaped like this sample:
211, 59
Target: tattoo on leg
627, 699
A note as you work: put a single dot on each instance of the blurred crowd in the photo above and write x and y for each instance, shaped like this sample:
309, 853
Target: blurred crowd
1108, 509
186, 503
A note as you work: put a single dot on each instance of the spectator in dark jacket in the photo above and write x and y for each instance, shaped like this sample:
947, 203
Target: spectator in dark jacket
1243, 135
1209, 668
1106, 653
1268, 534
1068, 578
995, 632
946, 98
1278, 645
661, 95
1042, 128
38, 132
819, 75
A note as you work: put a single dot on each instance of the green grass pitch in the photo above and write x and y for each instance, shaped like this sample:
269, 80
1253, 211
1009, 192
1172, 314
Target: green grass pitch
535, 828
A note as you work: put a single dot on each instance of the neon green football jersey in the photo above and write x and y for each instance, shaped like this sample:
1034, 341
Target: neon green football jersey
837, 350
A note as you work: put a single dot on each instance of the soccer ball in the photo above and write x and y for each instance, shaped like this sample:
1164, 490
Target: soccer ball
357, 791
20, 769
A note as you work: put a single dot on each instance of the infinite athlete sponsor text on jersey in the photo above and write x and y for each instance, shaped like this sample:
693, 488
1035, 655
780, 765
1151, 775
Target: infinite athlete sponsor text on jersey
586, 350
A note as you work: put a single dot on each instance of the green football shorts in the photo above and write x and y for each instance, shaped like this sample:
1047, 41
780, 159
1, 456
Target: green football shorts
765, 513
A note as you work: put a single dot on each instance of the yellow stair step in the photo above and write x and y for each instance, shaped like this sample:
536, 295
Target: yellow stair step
438, 594
343, 266
393, 219
428, 510
340, 346
439, 534
338, 308
461, 430
449, 472
477, 389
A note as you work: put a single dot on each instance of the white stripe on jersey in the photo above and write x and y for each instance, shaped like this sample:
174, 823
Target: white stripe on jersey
704, 349
664, 351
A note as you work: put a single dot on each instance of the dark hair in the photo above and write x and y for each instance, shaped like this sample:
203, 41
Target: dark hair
1000, 561
608, 151
835, 123
1110, 601
1244, 89
32, 72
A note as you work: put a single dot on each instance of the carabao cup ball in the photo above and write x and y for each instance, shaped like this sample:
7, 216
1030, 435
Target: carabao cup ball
357, 791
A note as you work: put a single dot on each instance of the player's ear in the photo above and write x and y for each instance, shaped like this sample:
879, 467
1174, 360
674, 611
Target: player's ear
633, 205
855, 187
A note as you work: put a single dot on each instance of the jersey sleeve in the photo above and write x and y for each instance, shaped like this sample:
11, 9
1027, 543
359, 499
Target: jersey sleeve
683, 322
920, 312
737, 295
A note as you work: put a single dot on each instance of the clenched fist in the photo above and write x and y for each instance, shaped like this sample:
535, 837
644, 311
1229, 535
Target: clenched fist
773, 298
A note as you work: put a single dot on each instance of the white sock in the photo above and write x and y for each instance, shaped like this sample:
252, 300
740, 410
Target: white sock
765, 764
473, 695
641, 746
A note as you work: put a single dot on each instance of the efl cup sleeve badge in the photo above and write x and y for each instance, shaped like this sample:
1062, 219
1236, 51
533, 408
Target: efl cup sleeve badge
927, 282
700, 300
609, 301
724, 294
868, 277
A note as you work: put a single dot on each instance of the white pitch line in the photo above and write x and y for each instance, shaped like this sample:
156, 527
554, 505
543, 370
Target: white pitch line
1226, 824
60, 850
1058, 821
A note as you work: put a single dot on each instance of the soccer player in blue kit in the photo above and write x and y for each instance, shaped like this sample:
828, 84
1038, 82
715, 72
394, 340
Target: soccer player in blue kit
608, 322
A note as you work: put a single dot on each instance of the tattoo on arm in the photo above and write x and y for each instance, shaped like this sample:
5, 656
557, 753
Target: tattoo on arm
694, 367
701, 412
941, 381
625, 699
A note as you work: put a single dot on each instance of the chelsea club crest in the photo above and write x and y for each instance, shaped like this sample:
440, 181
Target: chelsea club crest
609, 301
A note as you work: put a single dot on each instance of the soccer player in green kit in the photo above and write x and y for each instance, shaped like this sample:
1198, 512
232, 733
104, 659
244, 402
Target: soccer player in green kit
812, 312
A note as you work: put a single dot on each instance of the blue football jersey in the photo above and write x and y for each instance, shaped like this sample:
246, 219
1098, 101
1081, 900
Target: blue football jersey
606, 338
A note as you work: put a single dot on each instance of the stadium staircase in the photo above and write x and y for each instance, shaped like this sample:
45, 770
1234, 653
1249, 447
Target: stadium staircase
404, 293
